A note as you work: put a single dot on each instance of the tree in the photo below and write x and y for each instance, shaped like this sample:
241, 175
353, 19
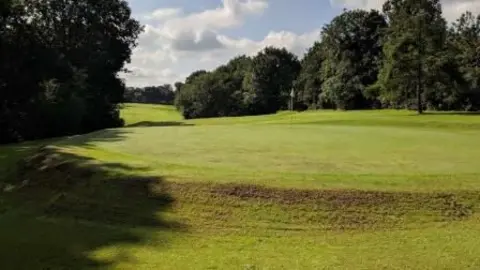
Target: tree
195, 74
310, 79
206, 96
414, 43
216, 93
17, 87
271, 80
178, 86
464, 43
57, 55
162, 94
353, 48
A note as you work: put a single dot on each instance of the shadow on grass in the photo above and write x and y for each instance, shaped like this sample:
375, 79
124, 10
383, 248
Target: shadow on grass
440, 113
159, 124
70, 212
10, 153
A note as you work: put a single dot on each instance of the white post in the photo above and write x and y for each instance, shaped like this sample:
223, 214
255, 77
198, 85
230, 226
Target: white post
292, 96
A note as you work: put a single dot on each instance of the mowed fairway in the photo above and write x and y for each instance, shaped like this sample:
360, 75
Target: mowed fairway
313, 190
357, 150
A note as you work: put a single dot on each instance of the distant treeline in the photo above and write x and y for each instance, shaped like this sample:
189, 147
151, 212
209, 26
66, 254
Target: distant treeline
59, 65
163, 94
404, 57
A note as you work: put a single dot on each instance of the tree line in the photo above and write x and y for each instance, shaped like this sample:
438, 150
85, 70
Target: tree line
59, 65
406, 56
163, 94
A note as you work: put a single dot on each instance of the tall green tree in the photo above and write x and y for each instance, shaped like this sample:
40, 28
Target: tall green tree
216, 93
95, 37
59, 65
19, 72
272, 77
309, 82
195, 74
415, 41
464, 42
178, 86
234, 73
353, 49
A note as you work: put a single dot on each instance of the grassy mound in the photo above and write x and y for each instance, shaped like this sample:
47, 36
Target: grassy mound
63, 185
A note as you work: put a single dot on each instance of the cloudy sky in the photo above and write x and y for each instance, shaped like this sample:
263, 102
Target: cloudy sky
186, 35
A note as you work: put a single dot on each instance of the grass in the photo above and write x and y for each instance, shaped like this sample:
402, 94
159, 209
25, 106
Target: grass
339, 150
313, 190
136, 114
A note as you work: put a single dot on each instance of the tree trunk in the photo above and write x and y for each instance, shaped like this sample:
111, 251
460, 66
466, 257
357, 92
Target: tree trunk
419, 89
421, 51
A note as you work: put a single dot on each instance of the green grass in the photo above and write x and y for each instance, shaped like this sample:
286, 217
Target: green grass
138, 113
339, 150
313, 190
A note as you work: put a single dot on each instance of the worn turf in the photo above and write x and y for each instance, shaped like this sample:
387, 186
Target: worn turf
314, 190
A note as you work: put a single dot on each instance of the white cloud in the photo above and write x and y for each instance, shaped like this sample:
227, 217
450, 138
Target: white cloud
452, 9
230, 14
174, 43
163, 14
196, 41
293, 42
365, 4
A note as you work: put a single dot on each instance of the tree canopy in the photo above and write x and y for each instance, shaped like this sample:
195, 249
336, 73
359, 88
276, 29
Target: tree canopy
352, 48
59, 65
163, 94
413, 51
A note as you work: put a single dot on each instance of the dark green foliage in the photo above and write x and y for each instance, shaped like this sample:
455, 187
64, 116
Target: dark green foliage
270, 83
201, 97
464, 44
244, 86
194, 74
178, 86
163, 94
352, 48
414, 52
216, 93
309, 82
59, 62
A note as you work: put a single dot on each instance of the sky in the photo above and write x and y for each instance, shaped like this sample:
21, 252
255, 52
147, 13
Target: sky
182, 36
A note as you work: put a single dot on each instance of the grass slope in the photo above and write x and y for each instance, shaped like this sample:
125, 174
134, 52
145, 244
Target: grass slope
314, 190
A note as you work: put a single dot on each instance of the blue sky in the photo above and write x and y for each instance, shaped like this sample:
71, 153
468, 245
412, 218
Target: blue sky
280, 14
182, 36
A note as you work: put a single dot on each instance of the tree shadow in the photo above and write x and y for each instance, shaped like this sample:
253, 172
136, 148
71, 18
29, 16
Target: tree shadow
440, 113
10, 153
70, 212
91, 139
159, 124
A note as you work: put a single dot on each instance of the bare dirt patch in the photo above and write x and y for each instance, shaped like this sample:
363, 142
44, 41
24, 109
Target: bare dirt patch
332, 209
